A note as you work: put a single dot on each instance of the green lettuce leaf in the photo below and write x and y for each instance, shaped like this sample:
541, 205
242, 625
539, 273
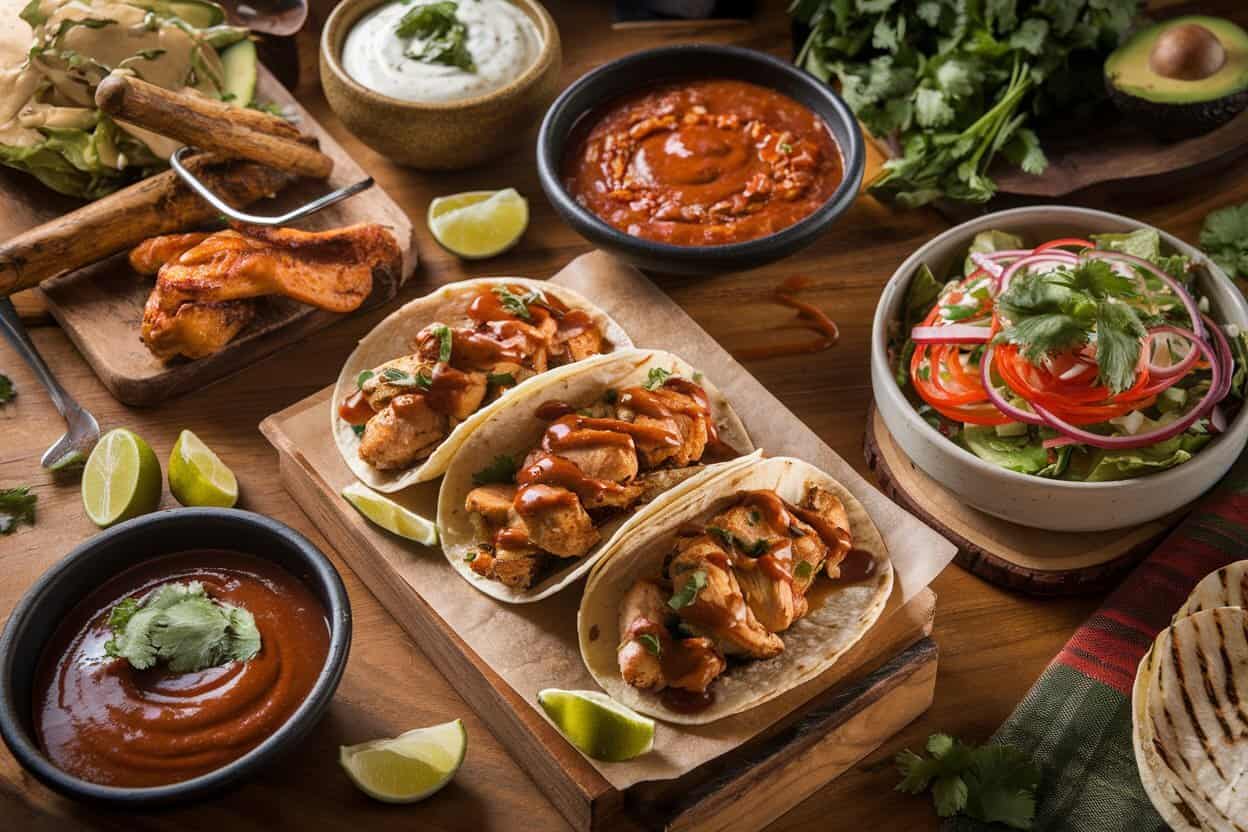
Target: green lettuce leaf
1024, 453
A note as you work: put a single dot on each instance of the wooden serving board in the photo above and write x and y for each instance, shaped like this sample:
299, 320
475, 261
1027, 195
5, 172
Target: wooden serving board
100, 307
735, 774
1009, 555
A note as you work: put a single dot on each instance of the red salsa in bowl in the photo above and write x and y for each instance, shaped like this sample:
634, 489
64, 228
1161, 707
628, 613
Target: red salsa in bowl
100, 719
702, 163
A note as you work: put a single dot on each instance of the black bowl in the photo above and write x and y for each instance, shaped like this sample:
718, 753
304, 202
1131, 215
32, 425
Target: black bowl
60, 588
685, 62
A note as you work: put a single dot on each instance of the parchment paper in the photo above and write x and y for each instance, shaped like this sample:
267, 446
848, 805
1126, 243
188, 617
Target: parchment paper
534, 646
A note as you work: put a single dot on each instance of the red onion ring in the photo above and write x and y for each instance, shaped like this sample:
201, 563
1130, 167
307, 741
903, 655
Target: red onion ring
999, 401
1064, 258
951, 334
1193, 312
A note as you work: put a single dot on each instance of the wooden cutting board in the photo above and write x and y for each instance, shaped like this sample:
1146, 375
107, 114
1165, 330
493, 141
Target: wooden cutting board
738, 773
100, 307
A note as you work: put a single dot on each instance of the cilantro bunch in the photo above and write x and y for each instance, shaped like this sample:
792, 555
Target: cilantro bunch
953, 83
990, 783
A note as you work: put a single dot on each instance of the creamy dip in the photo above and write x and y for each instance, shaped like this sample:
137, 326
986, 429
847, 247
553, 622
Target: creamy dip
501, 38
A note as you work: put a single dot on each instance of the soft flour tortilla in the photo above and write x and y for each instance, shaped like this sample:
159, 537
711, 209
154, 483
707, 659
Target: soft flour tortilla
513, 428
1227, 587
812, 644
393, 338
1189, 720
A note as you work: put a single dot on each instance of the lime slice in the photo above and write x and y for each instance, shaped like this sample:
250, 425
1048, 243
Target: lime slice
598, 725
390, 515
479, 224
409, 767
121, 479
197, 476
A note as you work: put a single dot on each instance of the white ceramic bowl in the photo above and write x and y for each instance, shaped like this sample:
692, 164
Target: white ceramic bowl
1023, 498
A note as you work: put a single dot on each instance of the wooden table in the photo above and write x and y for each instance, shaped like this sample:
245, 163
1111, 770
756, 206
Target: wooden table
993, 644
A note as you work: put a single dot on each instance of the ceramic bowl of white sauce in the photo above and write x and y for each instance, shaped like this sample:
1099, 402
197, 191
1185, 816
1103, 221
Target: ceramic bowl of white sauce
440, 85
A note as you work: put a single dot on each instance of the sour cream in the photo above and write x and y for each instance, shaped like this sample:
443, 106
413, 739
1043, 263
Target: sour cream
502, 39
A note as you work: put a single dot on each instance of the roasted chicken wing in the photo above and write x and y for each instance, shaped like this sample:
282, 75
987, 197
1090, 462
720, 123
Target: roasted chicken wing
213, 273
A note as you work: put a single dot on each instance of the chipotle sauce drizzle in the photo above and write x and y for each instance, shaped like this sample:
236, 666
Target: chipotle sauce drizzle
809, 317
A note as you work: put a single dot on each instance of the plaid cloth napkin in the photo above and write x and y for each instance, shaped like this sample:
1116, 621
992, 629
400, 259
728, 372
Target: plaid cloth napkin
1075, 722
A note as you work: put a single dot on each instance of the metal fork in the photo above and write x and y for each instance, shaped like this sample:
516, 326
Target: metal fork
84, 431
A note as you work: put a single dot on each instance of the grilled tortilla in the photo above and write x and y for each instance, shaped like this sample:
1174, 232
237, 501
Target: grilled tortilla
836, 613
534, 496
375, 447
1190, 711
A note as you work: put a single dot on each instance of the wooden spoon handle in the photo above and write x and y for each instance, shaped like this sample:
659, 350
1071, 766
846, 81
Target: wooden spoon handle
159, 204
214, 126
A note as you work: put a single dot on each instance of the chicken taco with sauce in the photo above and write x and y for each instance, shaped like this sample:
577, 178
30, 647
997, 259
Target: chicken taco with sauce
535, 495
733, 594
429, 374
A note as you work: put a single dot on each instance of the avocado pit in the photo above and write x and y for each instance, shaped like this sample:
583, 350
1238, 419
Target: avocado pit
1187, 52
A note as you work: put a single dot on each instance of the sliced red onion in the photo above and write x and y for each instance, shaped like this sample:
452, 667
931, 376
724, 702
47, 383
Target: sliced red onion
987, 264
951, 334
1224, 355
1062, 258
1077, 369
1152, 437
1217, 419
1057, 442
1001, 403
1188, 302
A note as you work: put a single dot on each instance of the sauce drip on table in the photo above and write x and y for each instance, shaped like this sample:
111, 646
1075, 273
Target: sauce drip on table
809, 317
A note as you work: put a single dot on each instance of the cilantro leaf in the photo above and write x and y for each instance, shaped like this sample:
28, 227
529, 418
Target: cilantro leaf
446, 342
514, 304
437, 35
689, 592
652, 644
1118, 344
500, 470
990, 783
7, 392
656, 377
364, 376
400, 378
1043, 334
17, 505
1224, 237
178, 623
501, 379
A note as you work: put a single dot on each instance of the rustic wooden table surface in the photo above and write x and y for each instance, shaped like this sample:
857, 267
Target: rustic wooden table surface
993, 644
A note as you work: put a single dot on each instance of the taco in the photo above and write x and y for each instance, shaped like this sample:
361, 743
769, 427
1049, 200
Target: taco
426, 376
535, 494
733, 594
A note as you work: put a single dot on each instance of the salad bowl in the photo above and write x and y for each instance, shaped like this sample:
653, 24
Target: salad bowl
1054, 504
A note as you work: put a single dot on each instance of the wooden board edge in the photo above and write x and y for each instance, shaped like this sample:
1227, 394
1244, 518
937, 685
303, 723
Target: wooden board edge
811, 752
977, 560
573, 786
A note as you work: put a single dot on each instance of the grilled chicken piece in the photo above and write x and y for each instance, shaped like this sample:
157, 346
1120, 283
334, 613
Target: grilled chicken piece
690, 431
644, 611
380, 391
466, 399
719, 610
197, 330
148, 256
579, 345
772, 600
518, 373
603, 462
492, 502
810, 549
622, 496
331, 270
829, 506
513, 566
654, 483
556, 521
698, 663
405, 431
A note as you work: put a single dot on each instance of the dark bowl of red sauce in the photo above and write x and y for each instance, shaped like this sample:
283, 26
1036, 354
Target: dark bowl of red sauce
96, 729
700, 159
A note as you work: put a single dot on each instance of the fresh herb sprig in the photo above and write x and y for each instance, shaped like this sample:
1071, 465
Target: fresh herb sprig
953, 84
17, 505
437, 35
990, 783
1071, 306
7, 391
1224, 237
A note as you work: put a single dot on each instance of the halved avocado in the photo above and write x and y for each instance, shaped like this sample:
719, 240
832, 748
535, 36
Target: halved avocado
238, 63
1181, 77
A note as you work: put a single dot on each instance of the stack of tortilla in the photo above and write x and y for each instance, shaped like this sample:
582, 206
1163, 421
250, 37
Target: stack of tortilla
1190, 709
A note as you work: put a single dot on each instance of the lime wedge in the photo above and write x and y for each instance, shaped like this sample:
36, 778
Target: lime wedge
390, 515
121, 479
479, 224
598, 725
409, 767
197, 476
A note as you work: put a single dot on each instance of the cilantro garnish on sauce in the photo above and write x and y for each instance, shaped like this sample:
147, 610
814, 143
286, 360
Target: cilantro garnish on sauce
178, 624
437, 35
